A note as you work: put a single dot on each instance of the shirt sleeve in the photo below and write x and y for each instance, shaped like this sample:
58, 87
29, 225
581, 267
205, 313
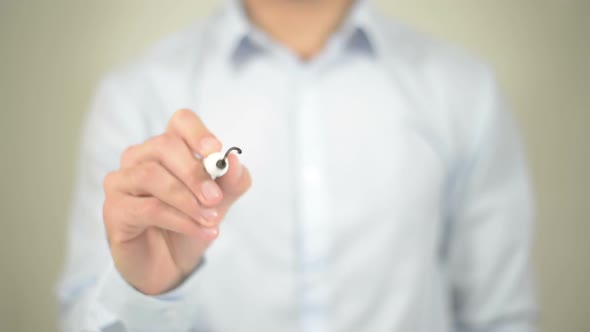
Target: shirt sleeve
491, 224
91, 293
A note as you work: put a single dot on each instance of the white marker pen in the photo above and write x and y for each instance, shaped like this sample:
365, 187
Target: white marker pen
216, 163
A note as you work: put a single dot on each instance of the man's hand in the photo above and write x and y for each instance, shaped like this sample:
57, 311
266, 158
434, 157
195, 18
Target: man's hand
162, 210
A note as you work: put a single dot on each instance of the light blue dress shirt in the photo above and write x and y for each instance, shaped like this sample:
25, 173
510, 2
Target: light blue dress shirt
390, 192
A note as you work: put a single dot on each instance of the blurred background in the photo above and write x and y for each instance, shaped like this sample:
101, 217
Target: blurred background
52, 53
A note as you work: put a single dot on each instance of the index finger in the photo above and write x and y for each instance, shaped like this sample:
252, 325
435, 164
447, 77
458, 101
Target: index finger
187, 125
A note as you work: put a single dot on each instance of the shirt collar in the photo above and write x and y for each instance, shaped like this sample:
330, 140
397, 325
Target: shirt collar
239, 40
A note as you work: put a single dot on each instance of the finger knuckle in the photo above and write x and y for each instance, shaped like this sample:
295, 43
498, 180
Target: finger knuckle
162, 143
181, 116
128, 155
108, 181
150, 207
109, 214
106, 210
115, 237
147, 172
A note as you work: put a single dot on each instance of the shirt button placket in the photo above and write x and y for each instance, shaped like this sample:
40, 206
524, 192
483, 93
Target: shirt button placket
312, 223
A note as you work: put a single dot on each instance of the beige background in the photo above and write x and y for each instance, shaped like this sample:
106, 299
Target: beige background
53, 52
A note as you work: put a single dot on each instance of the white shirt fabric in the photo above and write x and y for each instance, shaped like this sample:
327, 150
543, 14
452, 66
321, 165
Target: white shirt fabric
390, 192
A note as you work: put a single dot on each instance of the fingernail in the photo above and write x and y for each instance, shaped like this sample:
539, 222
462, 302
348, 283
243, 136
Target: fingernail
208, 145
210, 231
210, 215
210, 190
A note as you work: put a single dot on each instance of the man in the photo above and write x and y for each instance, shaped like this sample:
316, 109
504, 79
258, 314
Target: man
385, 191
